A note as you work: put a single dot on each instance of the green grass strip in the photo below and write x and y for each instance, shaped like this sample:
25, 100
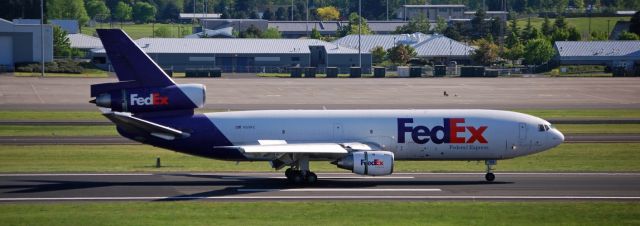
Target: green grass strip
322, 213
57, 131
51, 115
583, 113
580, 157
598, 128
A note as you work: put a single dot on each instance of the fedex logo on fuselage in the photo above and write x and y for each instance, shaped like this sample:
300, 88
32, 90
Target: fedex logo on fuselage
451, 130
152, 99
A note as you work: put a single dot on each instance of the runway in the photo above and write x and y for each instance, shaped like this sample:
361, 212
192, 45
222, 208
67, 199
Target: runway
66, 94
331, 186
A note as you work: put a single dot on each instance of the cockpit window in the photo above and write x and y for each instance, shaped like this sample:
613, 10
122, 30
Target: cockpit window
540, 128
546, 128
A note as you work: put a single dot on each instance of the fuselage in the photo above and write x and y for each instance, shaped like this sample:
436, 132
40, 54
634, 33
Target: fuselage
409, 134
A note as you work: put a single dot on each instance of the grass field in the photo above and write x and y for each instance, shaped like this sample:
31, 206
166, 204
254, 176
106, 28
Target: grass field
137, 31
583, 157
57, 131
321, 213
598, 24
546, 114
91, 73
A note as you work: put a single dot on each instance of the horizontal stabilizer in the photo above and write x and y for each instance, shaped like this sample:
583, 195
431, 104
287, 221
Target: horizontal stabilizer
126, 120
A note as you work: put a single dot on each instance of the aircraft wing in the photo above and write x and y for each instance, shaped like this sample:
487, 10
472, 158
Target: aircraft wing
278, 147
131, 123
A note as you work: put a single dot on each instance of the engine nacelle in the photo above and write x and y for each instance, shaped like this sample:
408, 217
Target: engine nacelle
373, 163
177, 97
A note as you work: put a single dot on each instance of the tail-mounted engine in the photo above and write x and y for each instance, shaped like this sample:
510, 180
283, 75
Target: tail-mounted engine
124, 97
373, 163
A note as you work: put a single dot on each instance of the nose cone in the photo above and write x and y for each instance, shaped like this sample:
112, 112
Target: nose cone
556, 137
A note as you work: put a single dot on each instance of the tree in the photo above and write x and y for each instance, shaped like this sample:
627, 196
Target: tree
599, 36
546, 29
538, 51
514, 25
352, 27
67, 9
511, 40
97, 9
144, 12
281, 13
478, 24
486, 53
628, 36
401, 54
634, 25
417, 24
162, 32
452, 33
496, 27
378, 54
61, 44
560, 23
122, 12
272, 33
267, 14
528, 30
441, 25
514, 53
579, 4
251, 32
315, 34
328, 13
574, 34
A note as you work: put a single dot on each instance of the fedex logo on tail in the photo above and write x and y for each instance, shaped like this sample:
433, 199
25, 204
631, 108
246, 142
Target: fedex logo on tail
451, 128
152, 99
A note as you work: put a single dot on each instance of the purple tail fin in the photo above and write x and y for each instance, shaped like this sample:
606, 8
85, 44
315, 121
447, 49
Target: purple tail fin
130, 62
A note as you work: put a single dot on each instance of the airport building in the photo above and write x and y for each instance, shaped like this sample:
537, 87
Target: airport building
21, 43
618, 55
435, 48
244, 55
447, 12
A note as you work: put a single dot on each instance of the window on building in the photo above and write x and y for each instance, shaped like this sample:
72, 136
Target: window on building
295, 58
443, 10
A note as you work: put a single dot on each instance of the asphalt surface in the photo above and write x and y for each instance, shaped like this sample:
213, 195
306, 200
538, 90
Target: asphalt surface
365, 93
103, 140
331, 186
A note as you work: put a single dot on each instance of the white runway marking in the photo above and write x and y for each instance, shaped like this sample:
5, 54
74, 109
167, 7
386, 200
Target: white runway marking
324, 197
338, 189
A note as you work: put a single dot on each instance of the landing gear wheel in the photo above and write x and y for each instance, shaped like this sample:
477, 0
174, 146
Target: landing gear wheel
297, 177
311, 178
288, 173
489, 177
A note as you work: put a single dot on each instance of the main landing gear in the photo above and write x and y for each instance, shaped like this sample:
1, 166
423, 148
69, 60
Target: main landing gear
490, 176
299, 172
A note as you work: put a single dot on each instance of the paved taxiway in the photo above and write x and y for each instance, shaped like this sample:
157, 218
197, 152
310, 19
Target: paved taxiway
365, 93
331, 186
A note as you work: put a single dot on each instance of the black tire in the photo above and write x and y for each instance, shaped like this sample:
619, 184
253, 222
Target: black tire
311, 178
288, 173
490, 177
296, 178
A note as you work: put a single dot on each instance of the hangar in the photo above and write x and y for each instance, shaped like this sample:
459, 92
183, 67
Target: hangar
435, 47
619, 55
244, 55
21, 43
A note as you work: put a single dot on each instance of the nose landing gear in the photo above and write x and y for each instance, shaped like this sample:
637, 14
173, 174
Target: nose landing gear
490, 176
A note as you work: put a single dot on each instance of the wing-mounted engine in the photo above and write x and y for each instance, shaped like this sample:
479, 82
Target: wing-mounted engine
128, 97
373, 163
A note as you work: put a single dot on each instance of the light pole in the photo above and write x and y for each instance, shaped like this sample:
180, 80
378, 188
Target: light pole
359, 33
42, 38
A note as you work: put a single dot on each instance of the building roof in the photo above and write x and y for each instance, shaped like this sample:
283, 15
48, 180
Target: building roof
425, 45
82, 41
332, 26
188, 16
236, 46
596, 50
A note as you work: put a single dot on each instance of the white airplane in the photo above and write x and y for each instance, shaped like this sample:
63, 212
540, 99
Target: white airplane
149, 107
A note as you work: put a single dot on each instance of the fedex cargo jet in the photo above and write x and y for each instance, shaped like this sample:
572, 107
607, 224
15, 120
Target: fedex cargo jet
147, 106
